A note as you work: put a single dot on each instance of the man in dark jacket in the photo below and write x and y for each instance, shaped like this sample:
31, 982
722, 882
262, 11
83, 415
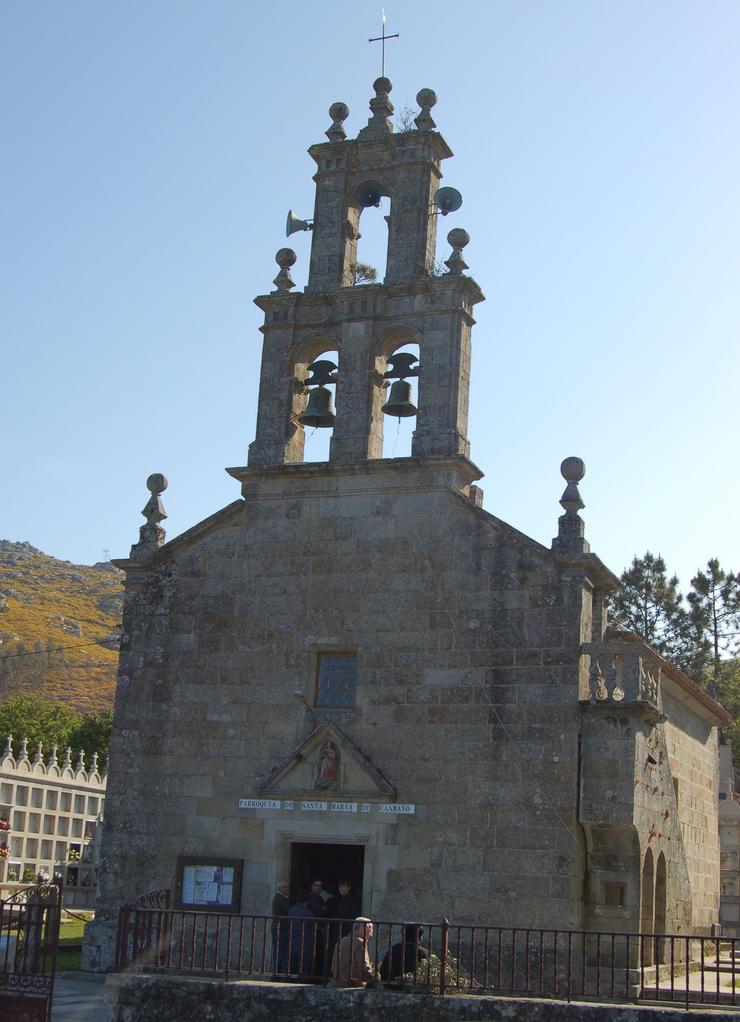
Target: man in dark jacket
319, 908
343, 906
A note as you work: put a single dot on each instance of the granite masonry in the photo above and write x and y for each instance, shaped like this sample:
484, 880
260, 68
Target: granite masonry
356, 669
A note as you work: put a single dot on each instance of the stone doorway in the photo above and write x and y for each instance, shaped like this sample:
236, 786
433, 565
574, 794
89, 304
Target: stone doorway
311, 860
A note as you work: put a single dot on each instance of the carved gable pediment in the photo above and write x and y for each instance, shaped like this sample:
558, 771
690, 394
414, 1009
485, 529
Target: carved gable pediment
328, 763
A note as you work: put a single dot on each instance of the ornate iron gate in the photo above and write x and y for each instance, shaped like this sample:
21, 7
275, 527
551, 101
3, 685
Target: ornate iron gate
29, 941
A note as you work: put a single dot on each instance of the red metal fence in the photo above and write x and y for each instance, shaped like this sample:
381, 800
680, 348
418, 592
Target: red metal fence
438, 957
29, 940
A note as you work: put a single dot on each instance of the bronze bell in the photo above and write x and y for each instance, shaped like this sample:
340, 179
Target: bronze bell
399, 403
318, 410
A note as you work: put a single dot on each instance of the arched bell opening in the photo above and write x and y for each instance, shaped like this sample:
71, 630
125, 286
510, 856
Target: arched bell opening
371, 254
315, 365
394, 392
401, 401
368, 222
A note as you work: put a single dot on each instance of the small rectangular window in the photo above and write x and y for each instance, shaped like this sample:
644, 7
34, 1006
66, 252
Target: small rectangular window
613, 893
337, 679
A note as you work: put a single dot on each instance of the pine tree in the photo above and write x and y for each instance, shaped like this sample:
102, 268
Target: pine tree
651, 604
715, 604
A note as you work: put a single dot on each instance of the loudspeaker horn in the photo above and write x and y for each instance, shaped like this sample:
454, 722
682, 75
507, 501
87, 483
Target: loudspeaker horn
447, 200
294, 223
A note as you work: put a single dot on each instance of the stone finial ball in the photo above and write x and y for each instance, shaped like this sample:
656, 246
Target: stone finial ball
339, 111
426, 98
458, 237
382, 85
573, 470
156, 483
285, 257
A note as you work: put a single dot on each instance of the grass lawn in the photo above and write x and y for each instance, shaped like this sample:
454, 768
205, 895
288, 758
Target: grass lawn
70, 944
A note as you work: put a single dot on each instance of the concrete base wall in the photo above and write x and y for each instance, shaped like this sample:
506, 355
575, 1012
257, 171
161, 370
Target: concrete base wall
140, 998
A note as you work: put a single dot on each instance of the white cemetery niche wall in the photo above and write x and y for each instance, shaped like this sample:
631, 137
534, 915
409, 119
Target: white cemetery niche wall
50, 818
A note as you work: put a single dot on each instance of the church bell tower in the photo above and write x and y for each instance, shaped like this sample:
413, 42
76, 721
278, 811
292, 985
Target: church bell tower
366, 324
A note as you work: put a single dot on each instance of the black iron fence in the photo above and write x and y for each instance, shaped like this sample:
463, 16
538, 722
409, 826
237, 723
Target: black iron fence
439, 958
29, 939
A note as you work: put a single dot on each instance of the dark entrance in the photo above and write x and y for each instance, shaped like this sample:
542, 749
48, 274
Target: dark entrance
309, 861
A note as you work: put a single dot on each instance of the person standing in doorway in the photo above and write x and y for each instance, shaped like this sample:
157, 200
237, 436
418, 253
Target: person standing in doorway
342, 907
279, 912
301, 936
319, 908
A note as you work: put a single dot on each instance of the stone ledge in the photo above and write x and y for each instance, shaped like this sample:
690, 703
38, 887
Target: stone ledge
150, 998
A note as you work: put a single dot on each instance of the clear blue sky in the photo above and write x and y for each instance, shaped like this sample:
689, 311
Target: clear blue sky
151, 151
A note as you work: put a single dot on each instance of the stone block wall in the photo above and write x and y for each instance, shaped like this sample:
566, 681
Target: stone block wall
467, 641
693, 757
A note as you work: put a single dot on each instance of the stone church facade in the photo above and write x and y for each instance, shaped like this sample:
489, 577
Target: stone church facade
356, 669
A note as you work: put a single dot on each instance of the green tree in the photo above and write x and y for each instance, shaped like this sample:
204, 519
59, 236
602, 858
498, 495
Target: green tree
38, 720
728, 693
92, 733
651, 604
715, 605
365, 274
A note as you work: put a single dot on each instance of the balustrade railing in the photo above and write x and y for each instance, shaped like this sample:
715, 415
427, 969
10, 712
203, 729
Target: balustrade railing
623, 674
444, 958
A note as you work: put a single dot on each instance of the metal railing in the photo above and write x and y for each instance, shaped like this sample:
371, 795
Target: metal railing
29, 940
442, 958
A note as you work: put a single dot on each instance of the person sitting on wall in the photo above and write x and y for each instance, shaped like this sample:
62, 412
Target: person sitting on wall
279, 911
301, 944
404, 957
350, 963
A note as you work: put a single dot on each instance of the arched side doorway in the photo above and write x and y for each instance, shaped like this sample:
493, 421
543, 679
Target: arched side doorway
660, 907
647, 896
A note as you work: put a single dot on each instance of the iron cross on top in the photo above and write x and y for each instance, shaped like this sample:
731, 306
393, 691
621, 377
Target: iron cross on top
381, 39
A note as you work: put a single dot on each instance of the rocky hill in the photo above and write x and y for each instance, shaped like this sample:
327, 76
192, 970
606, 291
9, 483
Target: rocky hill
55, 614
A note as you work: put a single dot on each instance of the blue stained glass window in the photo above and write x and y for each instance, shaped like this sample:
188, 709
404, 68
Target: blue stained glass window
337, 679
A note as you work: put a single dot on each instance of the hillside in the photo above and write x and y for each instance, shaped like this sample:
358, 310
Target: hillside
46, 604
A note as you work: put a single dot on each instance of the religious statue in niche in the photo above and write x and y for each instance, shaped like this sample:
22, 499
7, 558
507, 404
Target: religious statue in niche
327, 769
